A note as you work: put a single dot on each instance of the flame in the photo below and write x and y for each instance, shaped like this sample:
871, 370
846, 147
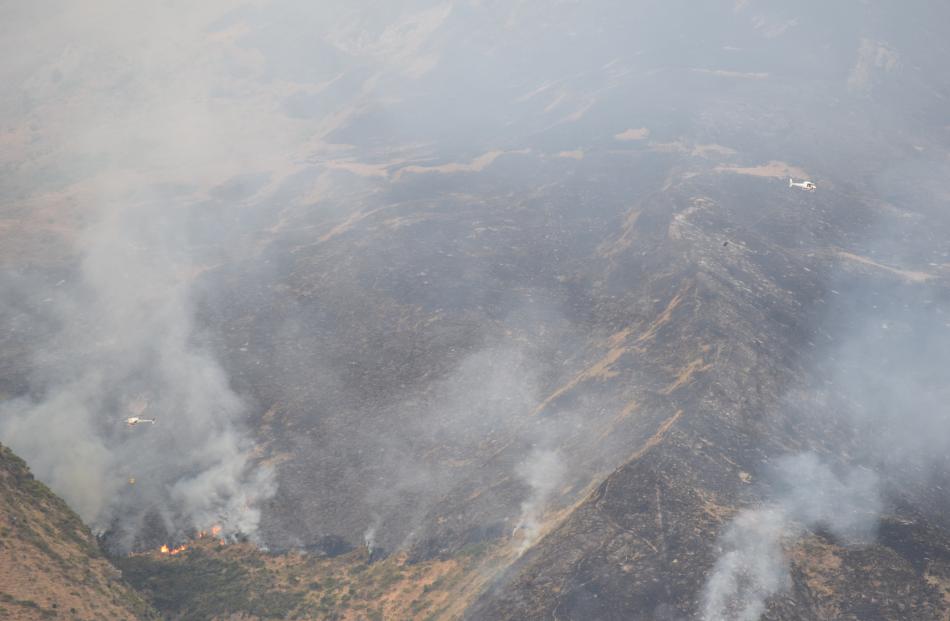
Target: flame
173, 551
214, 533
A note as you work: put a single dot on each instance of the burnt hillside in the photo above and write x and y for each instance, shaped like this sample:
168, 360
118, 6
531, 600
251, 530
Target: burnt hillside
487, 309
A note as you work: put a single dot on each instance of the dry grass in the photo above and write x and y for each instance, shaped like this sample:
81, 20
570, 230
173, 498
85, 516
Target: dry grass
773, 169
50, 564
908, 275
210, 581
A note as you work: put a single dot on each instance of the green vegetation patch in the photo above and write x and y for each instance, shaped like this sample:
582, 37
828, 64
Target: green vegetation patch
38, 610
197, 586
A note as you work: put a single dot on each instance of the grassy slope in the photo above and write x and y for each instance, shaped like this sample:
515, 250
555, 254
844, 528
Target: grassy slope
210, 581
50, 564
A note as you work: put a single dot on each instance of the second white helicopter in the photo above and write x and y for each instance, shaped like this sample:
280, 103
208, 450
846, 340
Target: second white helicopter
808, 186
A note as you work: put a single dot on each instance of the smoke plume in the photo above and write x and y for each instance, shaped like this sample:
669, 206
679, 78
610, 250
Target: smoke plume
126, 345
542, 471
752, 564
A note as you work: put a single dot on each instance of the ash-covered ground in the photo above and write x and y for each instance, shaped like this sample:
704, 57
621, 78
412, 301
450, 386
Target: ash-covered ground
531, 275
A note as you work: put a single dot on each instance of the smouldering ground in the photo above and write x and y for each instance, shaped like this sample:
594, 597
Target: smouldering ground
208, 580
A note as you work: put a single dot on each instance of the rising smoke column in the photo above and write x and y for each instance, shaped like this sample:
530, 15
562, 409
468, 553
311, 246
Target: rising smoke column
126, 345
887, 370
542, 471
137, 114
752, 566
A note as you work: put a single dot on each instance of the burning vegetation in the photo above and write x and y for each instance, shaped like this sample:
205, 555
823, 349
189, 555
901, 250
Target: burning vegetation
203, 579
214, 533
172, 551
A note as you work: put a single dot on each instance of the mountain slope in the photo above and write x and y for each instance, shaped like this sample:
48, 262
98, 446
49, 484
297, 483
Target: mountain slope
645, 542
526, 278
50, 564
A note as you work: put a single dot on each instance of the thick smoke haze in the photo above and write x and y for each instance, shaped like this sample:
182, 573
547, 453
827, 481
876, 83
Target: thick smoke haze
483, 401
807, 494
115, 89
418, 274
882, 379
173, 129
126, 345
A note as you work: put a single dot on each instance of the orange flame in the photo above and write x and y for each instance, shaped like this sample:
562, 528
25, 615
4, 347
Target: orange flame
215, 533
173, 551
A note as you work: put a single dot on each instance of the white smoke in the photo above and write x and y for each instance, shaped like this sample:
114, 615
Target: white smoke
126, 346
543, 471
369, 538
752, 565
131, 136
369, 535
751, 568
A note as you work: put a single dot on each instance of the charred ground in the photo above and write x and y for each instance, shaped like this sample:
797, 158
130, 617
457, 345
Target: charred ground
593, 262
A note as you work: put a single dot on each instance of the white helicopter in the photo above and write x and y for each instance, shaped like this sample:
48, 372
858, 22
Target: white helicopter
132, 421
808, 186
